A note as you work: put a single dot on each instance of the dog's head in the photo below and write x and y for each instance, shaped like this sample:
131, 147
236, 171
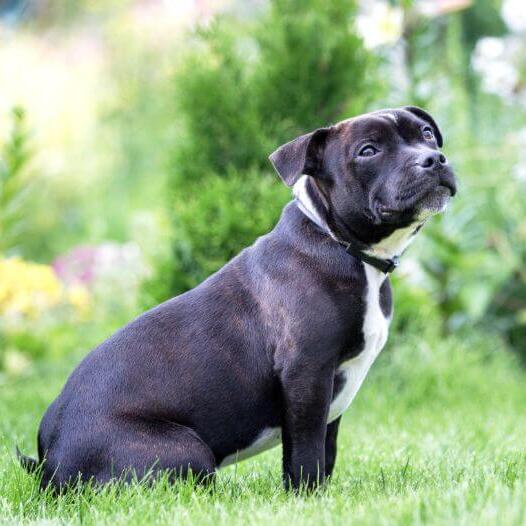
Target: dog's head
372, 174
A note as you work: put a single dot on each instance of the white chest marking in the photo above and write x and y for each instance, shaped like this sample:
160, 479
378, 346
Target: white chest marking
354, 371
375, 328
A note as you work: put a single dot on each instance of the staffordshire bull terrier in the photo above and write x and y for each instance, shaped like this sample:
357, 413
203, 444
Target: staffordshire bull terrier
274, 346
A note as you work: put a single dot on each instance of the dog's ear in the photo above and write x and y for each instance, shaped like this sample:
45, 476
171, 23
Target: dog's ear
302, 156
419, 112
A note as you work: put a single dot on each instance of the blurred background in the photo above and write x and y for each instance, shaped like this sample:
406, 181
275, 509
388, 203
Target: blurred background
134, 137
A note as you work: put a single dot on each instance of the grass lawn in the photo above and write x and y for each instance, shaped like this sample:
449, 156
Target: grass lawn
437, 435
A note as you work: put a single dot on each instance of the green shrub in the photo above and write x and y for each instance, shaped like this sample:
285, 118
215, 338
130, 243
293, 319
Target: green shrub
312, 68
14, 185
244, 89
216, 107
219, 218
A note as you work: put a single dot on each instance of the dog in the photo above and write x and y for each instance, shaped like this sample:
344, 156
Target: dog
274, 346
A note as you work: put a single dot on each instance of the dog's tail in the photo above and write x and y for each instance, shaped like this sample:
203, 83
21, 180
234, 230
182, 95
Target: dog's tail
28, 463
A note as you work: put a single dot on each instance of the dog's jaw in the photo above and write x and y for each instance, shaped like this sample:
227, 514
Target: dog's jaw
395, 244
391, 246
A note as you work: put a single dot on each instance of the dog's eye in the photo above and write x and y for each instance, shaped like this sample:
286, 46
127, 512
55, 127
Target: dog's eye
368, 151
428, 134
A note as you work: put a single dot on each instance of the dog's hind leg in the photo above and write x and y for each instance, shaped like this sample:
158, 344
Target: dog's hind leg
153, 448
129, 450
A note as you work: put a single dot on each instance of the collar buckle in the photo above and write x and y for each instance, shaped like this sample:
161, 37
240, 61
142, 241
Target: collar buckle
392, 264
383, 265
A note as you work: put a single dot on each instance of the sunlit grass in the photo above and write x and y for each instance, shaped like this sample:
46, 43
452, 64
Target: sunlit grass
436, 436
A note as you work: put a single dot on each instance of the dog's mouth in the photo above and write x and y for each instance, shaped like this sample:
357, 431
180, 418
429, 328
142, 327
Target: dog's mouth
429, 201
417, 196
449, 183
442, 187
386, 212
435, 201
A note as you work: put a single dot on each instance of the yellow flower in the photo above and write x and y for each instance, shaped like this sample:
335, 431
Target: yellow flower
79, 298
28, 289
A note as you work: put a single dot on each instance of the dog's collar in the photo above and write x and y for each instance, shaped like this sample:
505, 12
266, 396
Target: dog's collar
386, 266
383, 265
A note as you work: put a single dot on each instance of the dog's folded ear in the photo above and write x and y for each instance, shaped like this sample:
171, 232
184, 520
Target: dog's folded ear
422, 114
302, 156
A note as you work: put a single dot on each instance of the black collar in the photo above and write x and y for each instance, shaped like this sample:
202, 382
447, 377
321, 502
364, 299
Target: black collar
383, 265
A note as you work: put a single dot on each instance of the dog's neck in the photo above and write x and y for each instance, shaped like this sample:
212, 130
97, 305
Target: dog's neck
392, 246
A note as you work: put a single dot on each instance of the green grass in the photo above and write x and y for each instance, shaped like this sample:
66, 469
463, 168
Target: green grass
436, 436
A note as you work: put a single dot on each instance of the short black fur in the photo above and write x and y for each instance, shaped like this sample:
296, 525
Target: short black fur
259, 343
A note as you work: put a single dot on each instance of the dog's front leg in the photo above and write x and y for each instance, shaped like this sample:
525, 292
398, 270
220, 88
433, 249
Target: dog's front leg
306, 397
330, 446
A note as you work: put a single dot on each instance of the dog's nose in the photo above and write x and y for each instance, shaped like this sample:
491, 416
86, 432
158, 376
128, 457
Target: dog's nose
432, 160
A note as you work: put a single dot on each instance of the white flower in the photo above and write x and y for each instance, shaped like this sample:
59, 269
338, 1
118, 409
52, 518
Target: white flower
514, 14
491, 48
15, 362
491, 60
380, 24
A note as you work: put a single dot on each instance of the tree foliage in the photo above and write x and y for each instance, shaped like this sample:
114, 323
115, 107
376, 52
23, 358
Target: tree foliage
245, 88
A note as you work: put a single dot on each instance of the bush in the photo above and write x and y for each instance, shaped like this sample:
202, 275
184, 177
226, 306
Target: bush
14, 185
221, 217
243, 90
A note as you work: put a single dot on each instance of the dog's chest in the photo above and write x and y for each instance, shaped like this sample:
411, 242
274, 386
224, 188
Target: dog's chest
351, 373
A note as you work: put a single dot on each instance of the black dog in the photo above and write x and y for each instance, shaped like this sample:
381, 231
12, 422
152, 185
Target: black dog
275, 345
